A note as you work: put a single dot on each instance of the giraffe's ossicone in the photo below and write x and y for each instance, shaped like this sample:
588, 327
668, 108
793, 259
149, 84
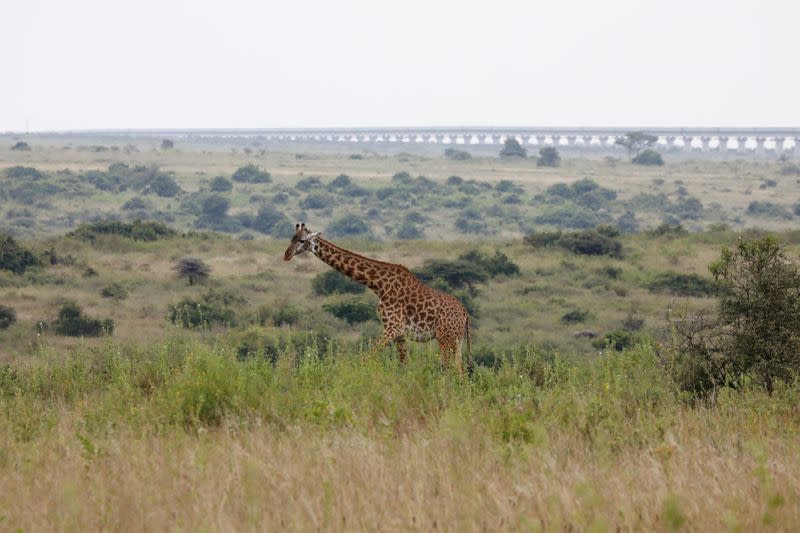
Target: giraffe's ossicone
407, 307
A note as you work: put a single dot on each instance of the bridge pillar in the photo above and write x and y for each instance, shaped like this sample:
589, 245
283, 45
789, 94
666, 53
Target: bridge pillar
481, 138
366, 138
670, 141
741, 143
525, 139
467, 139
760, 145
797, 146
439, 139
556, 140
571, 140
603, 140
587, 141
723, 144
687, 142
779, 142
705, 140
496, 139
541, 140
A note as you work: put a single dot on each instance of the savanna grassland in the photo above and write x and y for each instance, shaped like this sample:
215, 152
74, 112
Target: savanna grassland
245, 400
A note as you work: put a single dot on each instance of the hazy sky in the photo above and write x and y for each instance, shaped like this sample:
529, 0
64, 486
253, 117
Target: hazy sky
202, 64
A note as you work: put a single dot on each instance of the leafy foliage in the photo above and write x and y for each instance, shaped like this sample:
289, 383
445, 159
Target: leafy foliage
21, 146
548, 157
588, 242
756, 333
635, 141
648, 158
334, 282
138, 230
250, 173
348, 226
190, 313
221, 184
14, 257
352, 311
192, 269
7, 316
456, 154
73, 323
512, 148
681, 284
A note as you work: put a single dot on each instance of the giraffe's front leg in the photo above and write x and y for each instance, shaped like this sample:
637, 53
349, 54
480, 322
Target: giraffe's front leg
393, 332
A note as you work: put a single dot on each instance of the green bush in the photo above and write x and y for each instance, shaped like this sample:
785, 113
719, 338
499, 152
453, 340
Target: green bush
348, 226
681, 284
618, 340
460, 273
20, 172
512, 148
648, 158
755, 335
21, 146
575, 316
193, 269
470, 220
318, 200
352, 311
215, 207
334, 282
7, 316
495, 265
457, 155
163, 186
138, 230
251, 174
221, 184
587, 242
569, 218
212, 308
409, 231
767, 210
342, 181
72, 322
114, 291
136, 203
14, 257
271, 221
548, 157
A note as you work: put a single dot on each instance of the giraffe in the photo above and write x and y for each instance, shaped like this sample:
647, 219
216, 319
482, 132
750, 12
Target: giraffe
406, 305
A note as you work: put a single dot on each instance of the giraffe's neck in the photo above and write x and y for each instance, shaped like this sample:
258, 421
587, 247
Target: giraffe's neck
359, 268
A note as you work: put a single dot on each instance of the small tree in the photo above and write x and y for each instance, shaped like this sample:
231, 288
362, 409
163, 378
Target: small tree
221, 184
215, 207
21, 146
755, 335
548, 157
512, 148
192, 269
15, 258
167, 144
7, 316
636, 141
648, 158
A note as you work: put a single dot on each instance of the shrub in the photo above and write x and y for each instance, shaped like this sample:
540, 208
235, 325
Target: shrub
402, 178
648, 158
792, 169
114, 291
7, 316
457, 274
496, 265
618, 340
455, 181
285, 315
334, 282
221, 184
192, 269
548, 157
409, 231
591, 243
348, 225
342, 181
73, 323
251, 174
163, 186
512, 148
136, 204
756, 333
632, 322
575, 316
271, 221
767, 210
470, 220
352, 311
311, 182
317, 200
167, 144
215, 207
21, 146
681, 284
14, 257
456, 155
190, 313
19, 172
138, 230
668, 230
569, 218
687, 208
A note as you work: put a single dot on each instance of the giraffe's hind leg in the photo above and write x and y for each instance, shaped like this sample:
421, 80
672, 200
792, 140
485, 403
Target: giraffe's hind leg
450, 350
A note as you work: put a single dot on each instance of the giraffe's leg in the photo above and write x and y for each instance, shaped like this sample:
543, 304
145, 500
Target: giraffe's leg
393, 331
450, 350
400, 342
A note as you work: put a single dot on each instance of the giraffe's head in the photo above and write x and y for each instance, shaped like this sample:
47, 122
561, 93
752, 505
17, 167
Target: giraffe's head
302, 241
